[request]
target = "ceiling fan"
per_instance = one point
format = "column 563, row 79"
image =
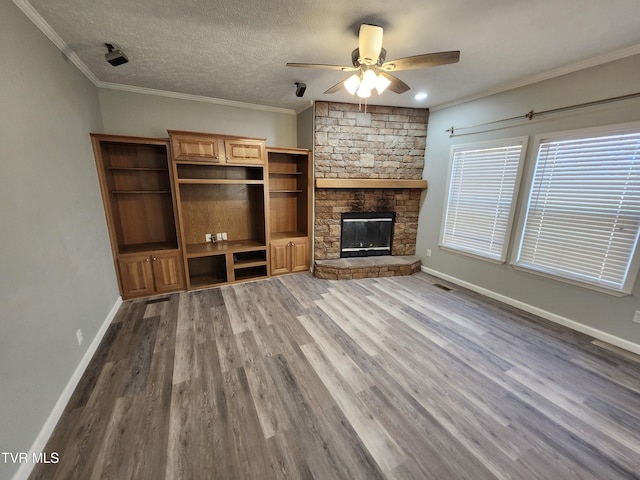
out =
column 372, row 69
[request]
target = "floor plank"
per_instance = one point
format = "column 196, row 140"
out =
column 294, row 377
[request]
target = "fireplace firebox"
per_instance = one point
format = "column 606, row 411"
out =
column 365, row 234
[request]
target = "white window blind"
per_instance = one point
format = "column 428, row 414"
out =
column 482, row 187
column 584, row 210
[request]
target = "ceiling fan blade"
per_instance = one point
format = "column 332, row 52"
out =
column 396, row 85
column 421, row 61
column 369, row 44
column 323, row 66
column 336, row 88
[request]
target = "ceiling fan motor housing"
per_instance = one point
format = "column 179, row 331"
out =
column 369, row 44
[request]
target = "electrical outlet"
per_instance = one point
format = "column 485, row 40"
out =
column 428, row 253
column 207, row 237
column 79, row 336
column 636, row 317
column 224, row 235
column 218, row 236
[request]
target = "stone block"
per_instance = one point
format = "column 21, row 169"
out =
column 321, row 109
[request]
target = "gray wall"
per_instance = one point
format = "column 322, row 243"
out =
column 600, row 311
column 56, row 270
column 127, row 113
column 305, row 129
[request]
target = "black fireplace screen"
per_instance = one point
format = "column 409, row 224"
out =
column 366, row 234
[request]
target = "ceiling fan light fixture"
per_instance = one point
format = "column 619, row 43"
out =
column 369, row 80
column 382, row 83
column 352, row 83
column 363, row 92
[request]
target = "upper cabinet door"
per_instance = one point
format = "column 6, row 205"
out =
column 245, row 151
column 196, row 148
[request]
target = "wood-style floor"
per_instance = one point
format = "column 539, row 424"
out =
column 295, row 377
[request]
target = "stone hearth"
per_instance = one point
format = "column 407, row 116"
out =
column 366, row 267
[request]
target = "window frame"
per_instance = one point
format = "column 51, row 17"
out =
column 521, row 141
column 576, row 134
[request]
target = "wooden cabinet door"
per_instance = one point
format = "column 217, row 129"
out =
column 136, row 275
column 299, row 254
column 245, row 151
column 205, row 149
column 280, row 258
column 290, row 256
column 167, row 272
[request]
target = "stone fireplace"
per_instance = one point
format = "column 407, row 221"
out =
column 368, row 162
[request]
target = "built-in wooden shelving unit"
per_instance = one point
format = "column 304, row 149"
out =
column 290, row 175
column 136, row 190
column 163, row 197
column 221, row 188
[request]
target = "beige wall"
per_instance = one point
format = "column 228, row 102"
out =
column 138, row 114
column 589, row 309
column 57, row 271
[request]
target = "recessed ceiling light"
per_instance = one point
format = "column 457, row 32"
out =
column 420, row 96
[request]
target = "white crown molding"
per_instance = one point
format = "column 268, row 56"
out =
column 194, row 98
column 574, row 67
column 45, row 28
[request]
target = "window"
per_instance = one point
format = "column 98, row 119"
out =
column 583, row 212
column 483, row 183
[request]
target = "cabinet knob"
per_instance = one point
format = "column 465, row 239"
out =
column 147, row 259
column 154, row 259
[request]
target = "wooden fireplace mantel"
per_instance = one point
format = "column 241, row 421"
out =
column 369, row 183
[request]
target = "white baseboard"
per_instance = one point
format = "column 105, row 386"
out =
column 567, row 322
column 47, row 429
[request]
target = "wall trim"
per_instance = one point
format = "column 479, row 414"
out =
column 49, row 425
column 57, row 40
column 522, row 82
column 194, row 98
column 567, row 322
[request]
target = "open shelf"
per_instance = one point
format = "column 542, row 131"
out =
column 237, row 209
column 287, row 234
column 250, row 258
column 203, row 281
column 250, row 273
column 207, row 271
column 138, row 192
column 219, row 181
column 189, row 172
column 148, row 247
column 205, row 249
column 138, row 169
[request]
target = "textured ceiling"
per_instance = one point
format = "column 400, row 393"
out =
column 237, row 50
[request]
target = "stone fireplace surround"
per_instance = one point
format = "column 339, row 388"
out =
column 352, row 146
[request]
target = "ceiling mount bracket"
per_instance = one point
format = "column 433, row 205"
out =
column 115, row 56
